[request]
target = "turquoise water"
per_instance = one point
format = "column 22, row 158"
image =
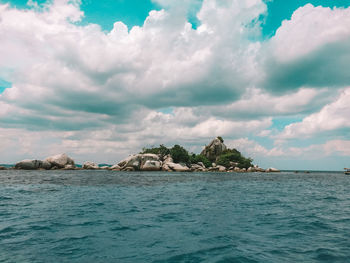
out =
column 101, row 216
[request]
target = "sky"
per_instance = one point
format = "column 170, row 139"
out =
column 100, row 80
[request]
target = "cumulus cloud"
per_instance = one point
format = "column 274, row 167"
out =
column 256, row 103
column 332, row 117
column 310, row 49
column 62, row 69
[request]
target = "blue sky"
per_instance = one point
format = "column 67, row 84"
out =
column 277, row 91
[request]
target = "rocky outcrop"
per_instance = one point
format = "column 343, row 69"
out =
column 3, row 168
column 29, row 164
column 60, row 160
column 90, row 165
column 214, row 149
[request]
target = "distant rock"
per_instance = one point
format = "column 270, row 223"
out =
column 251, row 170
column 272, row 170
column 29, row 164
column 60, row 160
column 3, row 168
column 90, row 165
column 214, row 149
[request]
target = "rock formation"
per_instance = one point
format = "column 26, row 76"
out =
column 214, row 149
column 29, row 164
column 60, row 160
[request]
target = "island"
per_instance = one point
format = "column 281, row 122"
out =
column 215, row 157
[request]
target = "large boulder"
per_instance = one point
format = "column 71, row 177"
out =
column 90, row 165
column 29, row 164
column 131, row 161
column 60, row 160
column 214, row 149
column 137, row 161
column 176, row 167
column 151, row 165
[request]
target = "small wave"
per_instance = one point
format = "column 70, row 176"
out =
column 7, row 230
column 198, row 255
column 121, row 228
column 4, row 198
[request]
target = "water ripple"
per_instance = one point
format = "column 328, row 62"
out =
column 102, row 216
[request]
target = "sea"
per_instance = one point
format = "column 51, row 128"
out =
column 110, row 216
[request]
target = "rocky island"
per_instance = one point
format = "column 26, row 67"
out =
column 215, row 157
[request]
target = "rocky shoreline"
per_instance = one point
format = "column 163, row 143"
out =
column 146, row 161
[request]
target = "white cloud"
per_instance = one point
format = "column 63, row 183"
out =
column 309, row 29
column 311, row 49
column 256, row 103
column 332, row 117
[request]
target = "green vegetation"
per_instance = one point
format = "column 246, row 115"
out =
column 221, row 139
column 232, row 155
column 161, row 150
column 196, row 158
column 181, row 155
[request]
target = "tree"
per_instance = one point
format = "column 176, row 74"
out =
column 161, row 150
column 179, row 154
column 232, row 155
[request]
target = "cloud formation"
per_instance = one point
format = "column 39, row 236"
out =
column 310, row 49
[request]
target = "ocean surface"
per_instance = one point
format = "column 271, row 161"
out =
column 106, row 216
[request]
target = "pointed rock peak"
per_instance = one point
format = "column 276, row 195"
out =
column 215, row 148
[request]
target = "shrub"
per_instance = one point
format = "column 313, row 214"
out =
column 200, row 158
column 179, row 154
column 232, row 155
column 161, row 150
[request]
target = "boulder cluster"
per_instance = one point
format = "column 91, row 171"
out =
column 149, row 162
column 60, row 161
